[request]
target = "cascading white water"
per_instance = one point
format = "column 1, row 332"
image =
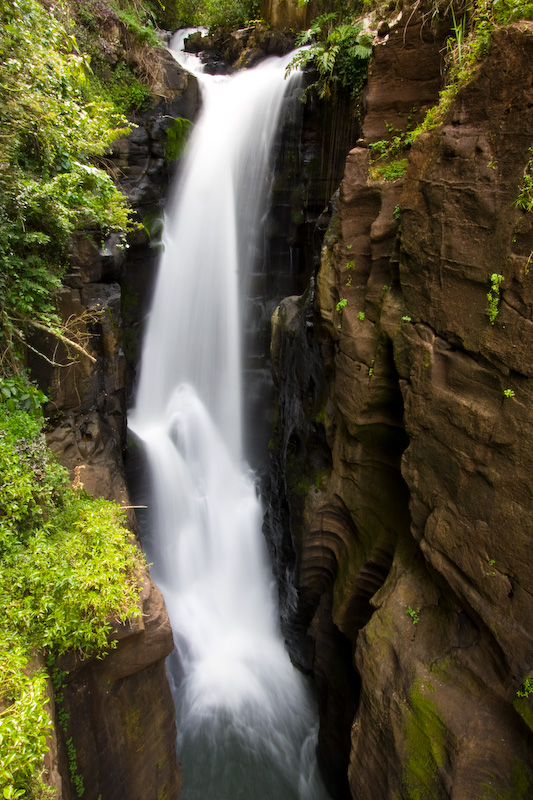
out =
column 246, row 721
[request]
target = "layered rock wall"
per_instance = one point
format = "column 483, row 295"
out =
column 407, row 461
column 114, row 717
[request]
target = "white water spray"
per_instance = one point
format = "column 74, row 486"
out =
column 246, row 723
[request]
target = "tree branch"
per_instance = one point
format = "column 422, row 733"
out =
column 66, row 341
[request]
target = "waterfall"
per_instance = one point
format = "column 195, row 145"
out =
column 247, row 724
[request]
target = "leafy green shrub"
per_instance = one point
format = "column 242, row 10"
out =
column 24, row 724
column 229, row 13
column 506, row 11
column 139, row 19
column 67, row 567
column 18, row 394
column 340, row 53
column 211, row 13
column 121, row 88
column 49, row 183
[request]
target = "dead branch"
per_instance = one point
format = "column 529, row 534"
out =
column 62, row 338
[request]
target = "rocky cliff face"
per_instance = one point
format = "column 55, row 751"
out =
column 404, row 436
column 114, row 725
column 114, row 717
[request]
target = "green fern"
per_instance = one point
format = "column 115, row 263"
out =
column 340, row 54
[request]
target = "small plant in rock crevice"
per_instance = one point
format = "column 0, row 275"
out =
column 388, row 159
column 493, row 297
column 524, row 201
column 414, row 614
column 527, row 688
column 341, row 305
column 492, row 572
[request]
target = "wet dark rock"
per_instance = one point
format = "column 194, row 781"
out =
column 223, row 51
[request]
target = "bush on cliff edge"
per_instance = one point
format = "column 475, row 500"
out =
column 67, row 567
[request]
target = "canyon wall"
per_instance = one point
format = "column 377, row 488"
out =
column 114, row 718
column 402, row 455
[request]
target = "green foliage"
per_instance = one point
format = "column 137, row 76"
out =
column 527, row 688
column 388, row 161
column 524, row 201
column 18, row 394
column 49, row 185
column 508, row 393
column 459, row 29
column 229, row 13
column 24, row 724
column 139, row 19
column 340, row 53
column 214, row 13
column 119, row 38
column 389, row 172
column 506, row 11
column 75, row 776
column 414, row 613
column 469, row 44
column 361, row 316
column 493, row 297
column 394, row 147
column 67, row 567
column 177, row 138
column 121, row 88
column 341, row 305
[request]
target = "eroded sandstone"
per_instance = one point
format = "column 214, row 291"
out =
column 412, row 559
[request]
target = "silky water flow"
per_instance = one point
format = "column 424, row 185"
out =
column 247, row 724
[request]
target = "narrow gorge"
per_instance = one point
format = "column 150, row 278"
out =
column 387, row 411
